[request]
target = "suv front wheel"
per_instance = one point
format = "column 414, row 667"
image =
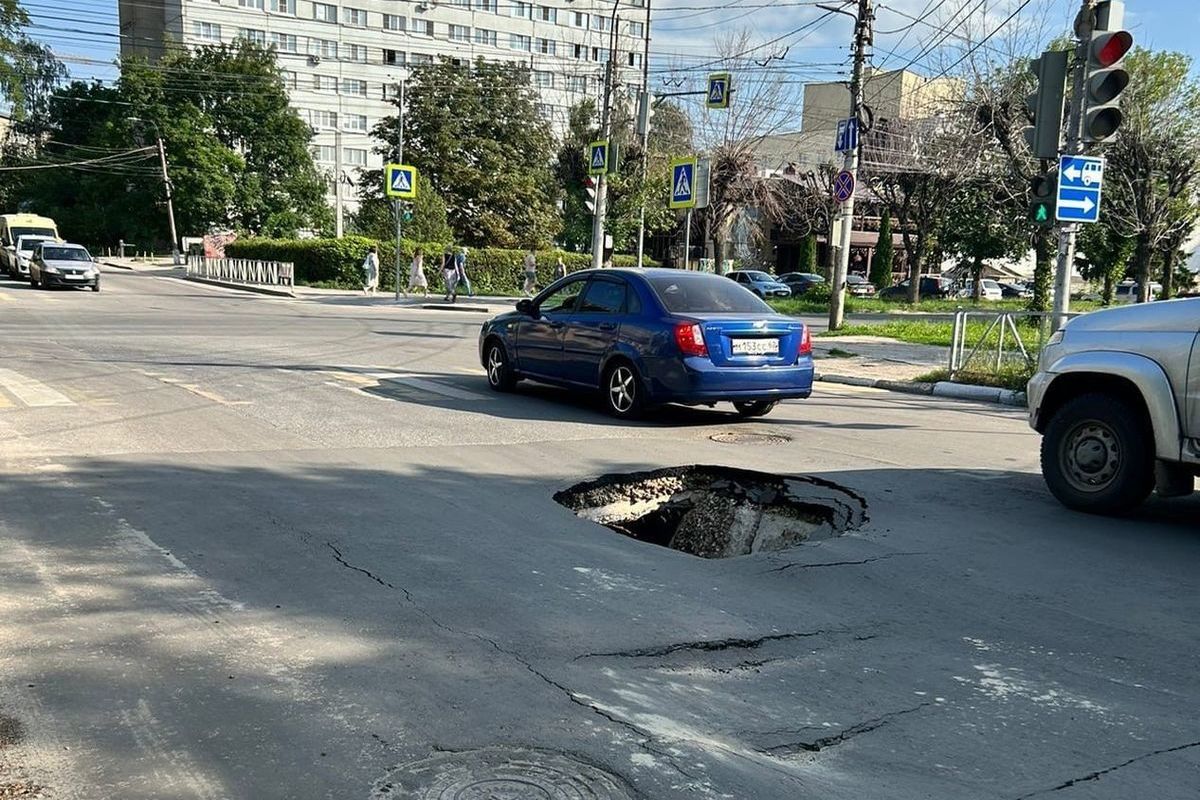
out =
column 1098, row 456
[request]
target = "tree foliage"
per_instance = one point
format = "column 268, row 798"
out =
column 881, row 264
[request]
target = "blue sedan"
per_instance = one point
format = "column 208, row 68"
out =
column 650, row 337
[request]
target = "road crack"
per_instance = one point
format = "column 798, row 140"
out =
column 1100, row 773
column 337, row 555
column 871, row 560
column 708, row 645
column 834, row 739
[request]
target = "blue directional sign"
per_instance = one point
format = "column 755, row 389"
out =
column 718, row 90
column 683, row 183
column 843, row 186
column 1080, row 179
column 400, row 181
column 847, row 135
column 598, row 158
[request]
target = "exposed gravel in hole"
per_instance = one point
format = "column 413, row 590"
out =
column 749, row 437
column 717, row 512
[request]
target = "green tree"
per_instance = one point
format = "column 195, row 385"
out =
column 1103, row 256
column 808, row 253
column 376, row 219
column 881, row 264
column 983, row 224
column 570, row 172
column 486, row 158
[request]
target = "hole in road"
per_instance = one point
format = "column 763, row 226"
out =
column 749, row 437
column 717, row 512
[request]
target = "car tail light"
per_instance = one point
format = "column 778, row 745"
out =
column 805, row 348
column 690, row 338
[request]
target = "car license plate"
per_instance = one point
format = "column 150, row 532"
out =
column 755, row 347
column 73, row 277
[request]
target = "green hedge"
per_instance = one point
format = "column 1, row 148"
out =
column 338, row 262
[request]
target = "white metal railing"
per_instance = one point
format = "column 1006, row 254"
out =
column 1007, row 336
column 243, row 270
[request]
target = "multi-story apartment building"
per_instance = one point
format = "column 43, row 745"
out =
column 343, row 60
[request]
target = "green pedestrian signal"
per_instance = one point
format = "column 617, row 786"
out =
column 1042, row 193
column 1041, row 213
column 407, row 215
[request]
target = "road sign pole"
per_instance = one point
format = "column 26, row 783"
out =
column 1067, row 231
column 605, row 133
column 399, row 160
column 641, row 244
column 837, row 301
column 687, row 239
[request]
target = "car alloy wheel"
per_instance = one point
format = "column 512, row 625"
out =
column 622, row 391
column 500, row 377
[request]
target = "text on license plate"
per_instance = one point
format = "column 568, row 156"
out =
column 73, row 277
column 755, row 347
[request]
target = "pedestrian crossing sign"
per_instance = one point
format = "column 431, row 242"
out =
column 683, row 183
column 598, row 157
column 401, row 181
column 718, row 90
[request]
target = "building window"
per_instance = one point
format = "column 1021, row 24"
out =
column 354, row 122
column 289, row 79
column 579, row 20
column 601, row 22
column 393, row 58
column 543, row 80
column 544, row 111
column 393, row 22
column 546, row 47
column 325, row 153
column 324, row 12
column 283, row 42
column 485, row 5
column 547, row 14
column 325, row 48
column 580, row 52
column 251, row 4
column 356, row 52
column 524, row 10
column 635, row 59
column 421, row 58
column 599, row 54
column 354, row 156
column 208, row 31
column 637, row 3
column 460, row 33
column 283, row 6
column 323, row 120
column 485, row 36
column 253, row 36
column 354, row 87
column 578, row 83
column 461, row 3
column 637, row 29
column 517, row 41
column 354, row 17
column 325, row 83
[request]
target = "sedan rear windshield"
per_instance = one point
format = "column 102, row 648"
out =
column 65, row 254
column 698, row 293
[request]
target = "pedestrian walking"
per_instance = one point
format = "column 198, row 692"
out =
column 449, row 274
column 460, row 266
column 560, row 268
column 530, row 273
column 370, row 268
column 416, row 273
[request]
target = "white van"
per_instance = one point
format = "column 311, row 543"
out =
column 12, row 228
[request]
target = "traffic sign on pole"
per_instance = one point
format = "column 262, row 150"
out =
column 847, row 135
column 598, row 157
column 843, row 186
column 718, row 90
column 1080, row 179
column 400, row 181
column 683, row 183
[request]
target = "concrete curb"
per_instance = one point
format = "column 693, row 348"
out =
column 270, row 290
column 955, row 391
column 455, row 307
column 116, row 266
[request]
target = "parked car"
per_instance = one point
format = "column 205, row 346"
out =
column 56, row 264
column 932, row 287
column 761, row 283
column 651, row 337
column 801, row 282
column 858, row 286
column 1127, row 291
column 24, row 252
column 1117, row 401
column 1016, row 291
column 990, row 290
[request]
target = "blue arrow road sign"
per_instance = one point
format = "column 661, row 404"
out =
column 683, row 183
column 1080, row 179
column 847, row 135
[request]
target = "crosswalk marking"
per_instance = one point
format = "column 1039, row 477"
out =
column 433, row 386
column 414, row 380
column 32, row 393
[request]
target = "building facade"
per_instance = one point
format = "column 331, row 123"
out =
column 342, row 61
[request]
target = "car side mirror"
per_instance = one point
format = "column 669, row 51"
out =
column 525, row 307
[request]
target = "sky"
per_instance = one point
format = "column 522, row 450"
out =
column 792, row 36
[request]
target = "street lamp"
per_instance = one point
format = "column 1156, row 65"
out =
column 162, row 158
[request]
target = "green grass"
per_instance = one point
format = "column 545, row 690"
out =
column 918, row 331
column 1011, row 375
column 858, row 305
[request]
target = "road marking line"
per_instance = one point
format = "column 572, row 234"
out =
column 434, row 387
column 32, row 393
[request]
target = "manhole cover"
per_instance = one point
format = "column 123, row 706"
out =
column 717, row 512
column 500, row 774
column 749, row 437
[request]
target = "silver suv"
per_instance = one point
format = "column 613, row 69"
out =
column 1117, row 400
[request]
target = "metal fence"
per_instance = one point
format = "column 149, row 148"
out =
column 1000, row 338
column 243, row 271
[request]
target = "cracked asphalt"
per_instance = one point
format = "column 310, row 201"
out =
column 269, row 548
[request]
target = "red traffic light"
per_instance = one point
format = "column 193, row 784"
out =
column 1109, row 48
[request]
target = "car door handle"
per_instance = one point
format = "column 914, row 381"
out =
column 555, row 324
column 608, row 326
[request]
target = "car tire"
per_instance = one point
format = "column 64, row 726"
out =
column 755, row 408
column 499, row 370
column 96, row 286
column 32, row 283
column 1097, row 455
column 622, row 389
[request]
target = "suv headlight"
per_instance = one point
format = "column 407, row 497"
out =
column 1056, row 337
column 49, row 269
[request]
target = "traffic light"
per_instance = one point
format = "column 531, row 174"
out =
column 1046, row 103
column 645, row 112
column 1043, row 190
column 1104, row 79
column 589, row 186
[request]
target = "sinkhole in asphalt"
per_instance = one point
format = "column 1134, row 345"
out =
column 715, row 511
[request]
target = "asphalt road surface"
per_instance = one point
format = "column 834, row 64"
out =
column 268, row 548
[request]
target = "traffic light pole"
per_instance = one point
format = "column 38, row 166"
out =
column 837, row 301
column 605, row 133
column 398, row 205
column 641, row 246
column 1074, row 144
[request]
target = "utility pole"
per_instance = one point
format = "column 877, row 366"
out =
column 397, row 204
column 862, row 37
column 649, row 101
column 338, row 222
column 1074, row 145
column 605, row 134
column 162, row 159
